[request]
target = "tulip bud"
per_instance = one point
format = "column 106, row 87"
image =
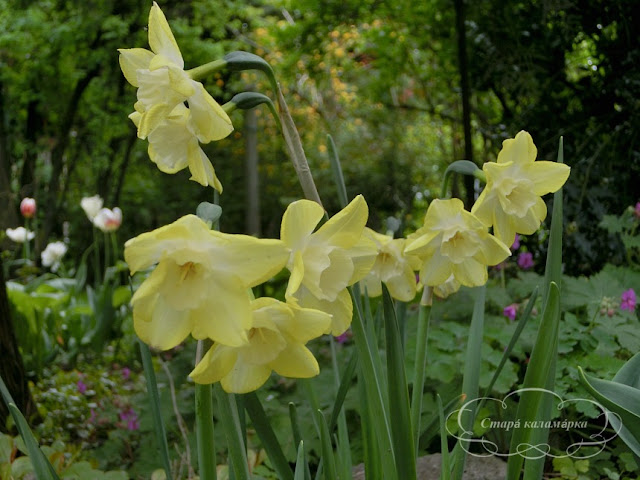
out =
column 28, row 207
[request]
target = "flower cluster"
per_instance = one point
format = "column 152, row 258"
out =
column 173, row 111
column 201, row 280
column 104, row 219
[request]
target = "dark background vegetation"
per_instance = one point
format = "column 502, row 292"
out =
column 404, row 88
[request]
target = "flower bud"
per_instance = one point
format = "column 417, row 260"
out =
column 28, row 207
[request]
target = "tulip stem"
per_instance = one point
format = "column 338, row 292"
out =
column 96, row 256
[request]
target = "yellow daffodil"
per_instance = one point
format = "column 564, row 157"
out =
column 173, row 146
column 392, row 267
column 511, row 199
column 163, row 84
column 323, row 264
column 277, row 341
column 454, row 242
column 200, row 284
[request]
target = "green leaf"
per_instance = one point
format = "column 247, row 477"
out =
column 300, row 463
column 398, row 391
column 328, row 458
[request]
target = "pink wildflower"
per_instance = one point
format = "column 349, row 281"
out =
column 636, row 210
column 82, row 387
column 131, row 418
column 628, row 300
column 516, row 243
column 344, row 338
column 525, row 260
column 126, row 373
column 510, row 311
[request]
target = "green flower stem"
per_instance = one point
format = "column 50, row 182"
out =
column 154, row 398
column 204, row 432
column 424, row 315
column 203, row 71
column 296, row 152
column 114, row 247
column 25, row 246
column 235, row 437
column 107, row 259
column 96, row 257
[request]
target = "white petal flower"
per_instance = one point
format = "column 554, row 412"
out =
column 20, row 234
column 52, row 255
column 91, row 206
column 108, row 220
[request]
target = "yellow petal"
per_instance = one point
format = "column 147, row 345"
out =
column 216, row 363
column 403, row 287
column 171, row 143
column 363, row 255
column 297, row 274
column 307, row 324
column 201, row 169
column 373, row 285
column 265, row 343
column 299, row 221
column 296, row 361
column 547, row 177
column 151, row 119
column 252, row 260
column 210, row 121
column 504, row 227
column 493, row 251
column 470, row 273
column 226, row 315
column 146, row 249
column 245, row 378
column 341, row 309
column 520, row 149
column 435, row 270
column 334, row 278
column 161, row 39
column 345, row 228
column 134, row 59
column 158, row 325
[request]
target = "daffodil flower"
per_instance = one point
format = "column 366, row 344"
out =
column 392, row 267
column 323, row 264
column 174, row 146
column 511, row 201
column 454, row 242
column 200, row 284
column 277, row 339
column 163, row 84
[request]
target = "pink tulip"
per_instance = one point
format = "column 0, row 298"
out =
column 28, row 207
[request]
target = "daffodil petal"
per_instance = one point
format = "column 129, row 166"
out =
column 210, row 121
column 215, row 364
column 436, row 270
column 245, row 378
column 340, row 309
column 226, row 316
column 547, row 177
column 296, row 361
column 345, row 228
column 520, row 149
column 470, row 273
column 161, row 39
column 403, row 287
column 307, row 324
column 297, row 274
column 363, row 255
column 493, row 251
column 133, row 59
column 158, row 325
column 201, row 169
column 252, row 260
column 503, row 227
column 298, row 223
column 373, row 285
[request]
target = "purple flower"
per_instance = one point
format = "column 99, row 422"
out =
column 628, row 300
column 131, row 418
column 636, row 210
column 82, row 387
column 510, row 311
column 525, row 260
column 516, row 243
column 126, row 373
column 344, row 338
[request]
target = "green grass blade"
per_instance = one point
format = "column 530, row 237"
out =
column 471, row 377
column 267, row 436
column 301, row 463
column 536, row 378
column 369, row 360
column 328, row 458
column 41, row 465
column 403, row 439
column 154, row 400
column 345, row 383
column 235, row 437
column 424, row 315
column 370, row 448
column 297, row 438
column 444, row 447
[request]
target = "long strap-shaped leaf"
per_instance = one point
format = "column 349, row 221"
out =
column 43, row 469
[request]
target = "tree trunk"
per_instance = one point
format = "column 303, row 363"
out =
column 466, row 95
column 8, row 217
column 11, row 366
